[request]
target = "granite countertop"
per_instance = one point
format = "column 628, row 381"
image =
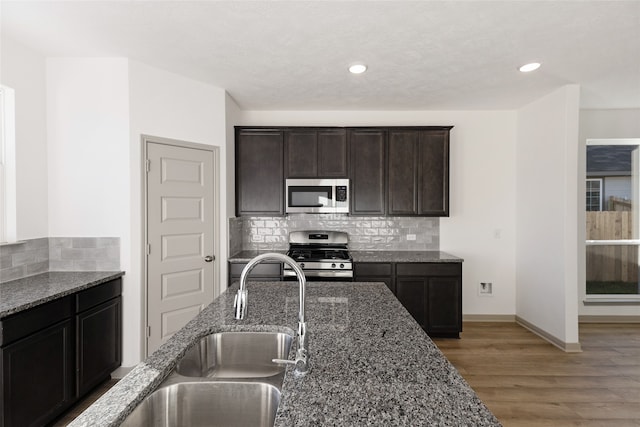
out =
column 22, row 294
column 403, row 256
column 370, row 256
column 367, row 367
column 246, row 256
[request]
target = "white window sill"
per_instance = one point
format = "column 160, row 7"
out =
column 612, row 299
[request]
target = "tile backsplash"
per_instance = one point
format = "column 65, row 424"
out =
column 36, row 256
column 23, row 259
column 365, row 233
column 84, row 253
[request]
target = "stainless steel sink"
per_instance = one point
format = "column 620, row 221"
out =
column 236, row 355
column 215, row 403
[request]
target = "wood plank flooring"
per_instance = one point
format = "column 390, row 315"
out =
column 80, row 407
column 526, row 381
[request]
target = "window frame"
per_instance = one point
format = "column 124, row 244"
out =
column 601, row 181
column 612, row 298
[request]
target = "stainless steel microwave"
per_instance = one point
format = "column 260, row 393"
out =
column 317, row 196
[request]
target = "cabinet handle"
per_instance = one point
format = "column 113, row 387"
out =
column 209, row 258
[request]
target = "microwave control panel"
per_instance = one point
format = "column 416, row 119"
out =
column 341, row 193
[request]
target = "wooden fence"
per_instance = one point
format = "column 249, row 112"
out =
column 611, row 263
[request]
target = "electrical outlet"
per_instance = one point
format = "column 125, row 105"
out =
column 411, row 237
column 485, row 289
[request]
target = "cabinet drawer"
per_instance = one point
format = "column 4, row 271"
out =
column 373, row 269
column 34, row 319
column 429, row 269
column 98, row 294
column 260, row 270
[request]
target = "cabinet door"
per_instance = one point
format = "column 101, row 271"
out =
column 38, row 376
column 444, row 306
column 410, row 291
column 367, row 170
column 433, row 182
column 301, row 153
column 259, row 172
column 332, row 154
column 99, row 349
column 403, row 172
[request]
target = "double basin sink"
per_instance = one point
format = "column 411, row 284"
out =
column 226, row 379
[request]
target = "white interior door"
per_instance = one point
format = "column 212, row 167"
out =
column 180, row 240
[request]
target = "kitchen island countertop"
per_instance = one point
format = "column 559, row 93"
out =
column 370, row 362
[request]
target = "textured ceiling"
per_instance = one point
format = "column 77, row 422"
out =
column 422, row 55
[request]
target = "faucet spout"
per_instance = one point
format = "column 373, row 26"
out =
column 240, row 304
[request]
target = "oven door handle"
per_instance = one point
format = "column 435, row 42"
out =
column 319, row 205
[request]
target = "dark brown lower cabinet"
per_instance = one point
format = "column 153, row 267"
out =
column 99, row 332
column 37, row 376
column 53, row 354
column 411, row 293
column 431, row 292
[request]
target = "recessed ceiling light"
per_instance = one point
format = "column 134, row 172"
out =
column 530, row 67
column 357, row 68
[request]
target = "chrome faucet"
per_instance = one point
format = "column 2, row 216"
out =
column 240, row 305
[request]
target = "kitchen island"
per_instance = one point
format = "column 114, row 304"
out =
column 370, row 362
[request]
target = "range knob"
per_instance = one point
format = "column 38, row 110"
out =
column 302, row 265
column 333, row 265
column 341, row 265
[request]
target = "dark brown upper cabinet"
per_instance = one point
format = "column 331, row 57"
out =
column 418, row 172
column 395, row 171
column 316, row 153
column 433, row 173
column 367, row 170
column 259, row 172
column 402, row 179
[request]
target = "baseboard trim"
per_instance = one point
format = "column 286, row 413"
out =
column 489, row 318
column 608, row 319
column 569, row 347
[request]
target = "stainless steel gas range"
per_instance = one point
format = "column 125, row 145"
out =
column 323, row 255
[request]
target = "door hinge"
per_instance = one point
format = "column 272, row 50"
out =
column 147, row 165
column 148, row 249
column 148, row 331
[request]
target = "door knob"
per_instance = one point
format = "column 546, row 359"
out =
column 209, row 258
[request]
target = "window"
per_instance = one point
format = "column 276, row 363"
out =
column 613, row 219
column 7, row 166
column 594, row 194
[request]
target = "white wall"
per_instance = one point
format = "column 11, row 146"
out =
column 23, row 70
column 481, row 226
column 88, row 117
column 597, row 124
column 547, row 213
column 171, row 106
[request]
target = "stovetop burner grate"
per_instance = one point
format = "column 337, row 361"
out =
column 301, row 254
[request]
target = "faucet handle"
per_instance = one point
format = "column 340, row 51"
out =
column 240, row 304
column 301, row 363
